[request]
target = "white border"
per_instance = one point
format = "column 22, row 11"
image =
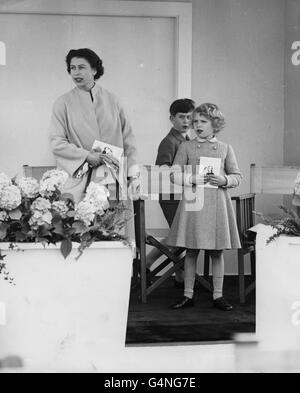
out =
column 182, row 12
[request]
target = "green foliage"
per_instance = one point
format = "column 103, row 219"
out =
column 40, row 213
column 287, row 224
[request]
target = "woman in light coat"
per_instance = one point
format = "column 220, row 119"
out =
column 86, row 114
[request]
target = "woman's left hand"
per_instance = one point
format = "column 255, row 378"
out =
column 218, row 181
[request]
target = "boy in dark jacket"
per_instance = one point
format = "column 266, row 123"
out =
column 180, row 116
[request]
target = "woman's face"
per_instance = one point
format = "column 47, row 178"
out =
column 203, row 126
column 82, row 73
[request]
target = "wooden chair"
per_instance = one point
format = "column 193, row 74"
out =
column 142, row 240
column 245, row 205
column 156, row 180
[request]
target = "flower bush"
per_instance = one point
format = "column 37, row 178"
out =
column 287, row 224
column 296, row 194
column 32, row 211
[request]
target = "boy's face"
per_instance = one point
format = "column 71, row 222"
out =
column 182, row 121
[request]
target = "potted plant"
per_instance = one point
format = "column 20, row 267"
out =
column 287, row 224
column 66, row 271
column 277, row 272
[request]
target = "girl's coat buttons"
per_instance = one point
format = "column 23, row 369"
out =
column 199, row 146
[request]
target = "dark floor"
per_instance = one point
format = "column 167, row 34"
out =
column 156, row 322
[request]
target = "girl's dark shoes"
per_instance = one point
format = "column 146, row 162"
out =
column 179, row 284
column 222, row 304
column 185, row 302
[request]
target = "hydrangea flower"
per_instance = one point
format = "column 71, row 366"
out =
column 41, row 204
column 52, row 181
column 40, row 218
column 3, row 216
column 29, row 187
column 4, row 181
column 61, row 208
column 61, row 175
column 96, row 190
column 41, row 214
column 10, row 198
column 26, row 206
column 85, row 212
column 97, row 195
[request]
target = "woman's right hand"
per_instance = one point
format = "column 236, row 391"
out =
column 109, row 159
column 94, row 159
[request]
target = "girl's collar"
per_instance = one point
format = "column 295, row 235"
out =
column 202, row 140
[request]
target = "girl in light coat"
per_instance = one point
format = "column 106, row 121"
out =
column 212, row 225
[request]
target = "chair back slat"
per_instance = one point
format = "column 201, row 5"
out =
column 248, row 214
column 36, row 171
column 273, row 180
column 245, row 206
column 139, row 222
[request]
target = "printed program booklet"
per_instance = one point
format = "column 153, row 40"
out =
column 209, row 166
column 114, row 155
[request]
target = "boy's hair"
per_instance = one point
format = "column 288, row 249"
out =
column 90, row 56
column 213, row 113
column 184, row 105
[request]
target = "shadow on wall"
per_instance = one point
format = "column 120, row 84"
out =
column 2, row 54
column 11, row 362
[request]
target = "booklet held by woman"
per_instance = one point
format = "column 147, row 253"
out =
column 112, row 156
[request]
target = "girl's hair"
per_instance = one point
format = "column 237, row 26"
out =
column 90, row 56
column 213, row 113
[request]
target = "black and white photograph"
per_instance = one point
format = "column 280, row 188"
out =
column 149, row 189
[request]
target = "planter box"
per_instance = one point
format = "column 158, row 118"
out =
column 64, row 313
column 278, row 291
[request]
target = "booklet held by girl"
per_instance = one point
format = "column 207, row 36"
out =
column 209, row 166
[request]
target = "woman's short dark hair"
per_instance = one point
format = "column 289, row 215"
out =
column 184, row 105
column 90, row 56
